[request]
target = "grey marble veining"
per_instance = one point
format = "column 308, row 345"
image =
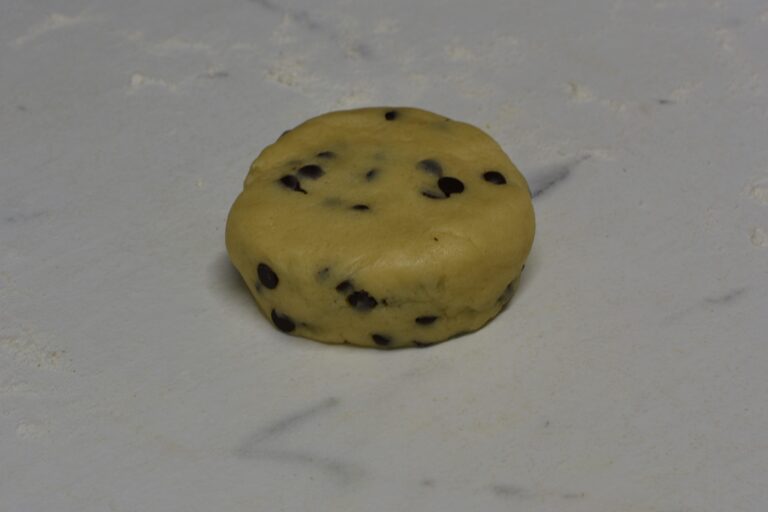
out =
column 302, row 18
column 545, row 178
column 250, row 446
column 727, row 297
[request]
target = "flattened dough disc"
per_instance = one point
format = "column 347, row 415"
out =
column 382, row 227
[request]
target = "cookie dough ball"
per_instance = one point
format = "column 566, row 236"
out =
column 381, row 227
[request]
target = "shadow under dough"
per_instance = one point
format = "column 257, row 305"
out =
column 225, row 280
column 531, row 268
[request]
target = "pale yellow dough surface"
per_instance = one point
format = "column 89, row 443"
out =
column 322, row 266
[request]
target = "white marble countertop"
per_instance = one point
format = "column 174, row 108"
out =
column 629, row 373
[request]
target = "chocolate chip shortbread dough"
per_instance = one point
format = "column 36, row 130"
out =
column 381, row 227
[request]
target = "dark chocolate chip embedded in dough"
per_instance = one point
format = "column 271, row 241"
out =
column 391, row 115
column 426, row 319
column 361, row 300
column 494, row 177
column 311, row 171
column 326, row 154
column 344, row 286
column 381, row 340
column 267, row 276
column 282, row 322
column 292, row 182
column 450, row 186
column 431, row 166
column 361, row 207
column 370, row 175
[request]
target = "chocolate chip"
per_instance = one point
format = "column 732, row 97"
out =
column 431, row 166
column 381, row 340
column 267, row 276
column 282, row 322
column 311, row 171
column 343, row 286
column 426, row 320
column 450, row 186
column 326, row 154
column 391, row 115
column 292, row 182
column 371, row 174
column 361, row 207
column 494, row 177
column 361, row 301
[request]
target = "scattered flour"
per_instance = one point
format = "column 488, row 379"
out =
column 759, row 191
column 290, row 71
column 759, row 237
column 356, row 96
column 176, row 44
column 28, row 352
column 33, row 430
column 139, row 81
column 386, row 26
column 54, row 21
column 579, row 93
column 459, row 53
